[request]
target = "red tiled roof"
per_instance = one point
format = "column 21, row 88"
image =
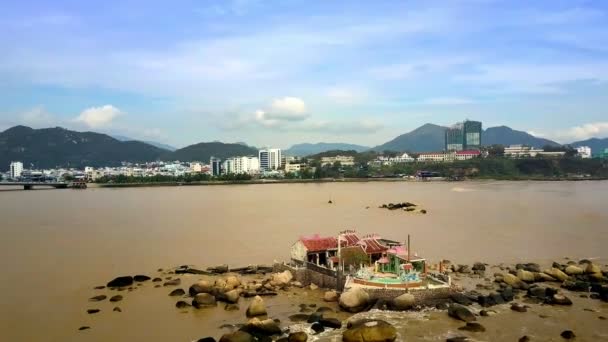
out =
column 468, row 152
column 372, row 246
column 349, row 240
column 317, row 243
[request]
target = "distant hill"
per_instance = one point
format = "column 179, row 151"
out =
column 306, row 149
column 430, row 137
column 153, row 143
column 426, row 138
column 52, row 147
column 204, row 151
column 597, row 145
column 504, row 135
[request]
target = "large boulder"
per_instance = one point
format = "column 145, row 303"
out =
column 354, row 300
column 461, row 312
column 460, row 298
column 237, row 336
column 231, row 296
column 202, row 300
column 232, row 282
column 526, row 276
column 593, row 269
column 257, row 307
column 573, row 270
column 266, row 327
column 202, row 286
column 370, row 331
column 299, row 336
column 541, row 276
column 282, row 278
column 330, row 296
column 557, row 274
column 121, row 282
column 512, row 280
column 404, row 302
column 558, row 299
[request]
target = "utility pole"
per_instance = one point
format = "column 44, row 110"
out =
column 339, row 278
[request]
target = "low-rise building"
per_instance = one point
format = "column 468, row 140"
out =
column 467, row 154
column 583, row 152
column 343, row 160
column 293, row 168
column 521, row 151
column 16, row 169
column 431, row 157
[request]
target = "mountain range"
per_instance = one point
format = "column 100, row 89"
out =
column 53, row 147
column 149, row 142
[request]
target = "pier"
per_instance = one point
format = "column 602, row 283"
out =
column 57, row 185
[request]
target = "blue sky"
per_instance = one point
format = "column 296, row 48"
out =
column 283, row 72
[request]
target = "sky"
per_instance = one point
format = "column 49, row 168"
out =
column 276, row 73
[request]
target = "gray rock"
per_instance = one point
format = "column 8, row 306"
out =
column 177, row 292
column 202, row 300
column 370, row 331
column 473, row 327
column 461, row 312
column 121, row 282
column 116, row 298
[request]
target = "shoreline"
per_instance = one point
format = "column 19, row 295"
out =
column 330, row 180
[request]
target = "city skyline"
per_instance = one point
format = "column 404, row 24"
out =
column 280, row 74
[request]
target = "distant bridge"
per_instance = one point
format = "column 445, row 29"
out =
column 30, row 185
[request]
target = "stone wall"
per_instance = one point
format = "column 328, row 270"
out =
column 423, row 296
column 307, row 276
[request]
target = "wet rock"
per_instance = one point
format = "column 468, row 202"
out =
column 84, row 327
column 220, row 269
column 117, row 309
column 463, row 269
column 141, row 278
column 370, row 331
column 237, row 336
column 354, row 300
column 317, row 328
column 100, row 287
column 267, row 327
column 92, row 311
column 173, row 282
column 314, row 317
column 257, row 307
column 299, row 336
column 567, row 334
column 458, row 339
column 299, row 318
column 577, row 285
column 156, row 280
column 330, row 296
column 182, row 305
column 518, row 307
column 557, row 274
column 478, row 266
column 405, row 301
column 537, row 292
column 573, row 270
column 473, row 327
column 206, row 339
column 97, row 298
column 231, row 296
column 202, row 300
column 560, row 300
column 507, row 294
column 487, row 313
column 202, row 286
column 461, row 312
column 157, row 286
column 331, row 323
column 541, row 276
column 460, row 298
column 526, row 276
column 121, row 282
column 441, row 306
column 593, row 269
column 602, row 318
column 313, row 287
column 524, row 338
column 512, row 280
column 116, row 298
column 177, row 292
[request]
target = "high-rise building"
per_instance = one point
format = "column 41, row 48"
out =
column 242, row 165
column 270, row 159
column 463, row 136
column 16, row 169
column 216, row 166
column 583, row 151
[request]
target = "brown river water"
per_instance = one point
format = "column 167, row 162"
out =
column 56, row 245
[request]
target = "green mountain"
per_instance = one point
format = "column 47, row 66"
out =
column 430, row 137
column 149, row 142
column 52, row 147
column 204, row 151
column 503, row 135
column 426, row 138
column 597, row 145
column 306, row 149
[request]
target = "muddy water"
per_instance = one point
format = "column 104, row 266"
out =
column 56, row 245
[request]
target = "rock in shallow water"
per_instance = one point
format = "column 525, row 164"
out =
column 237, row 336
column 177, row 292
column 518, row 307
column 121, row 282
column 370, row 331
column 299, row 336
column 181, row 305
column 568, row 334
column 202, row 300
column 354, row 300
column 141, row 278
column 85, row 327
column 461, row 312
column 97, row 298
column 116, row 298
column 173, row 282
column 473, row 327
column 92, row 311
column 257, row 307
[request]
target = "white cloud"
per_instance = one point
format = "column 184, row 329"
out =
column 95, row 117
column 586, row 131
column 281, row 111
column 37, row 117
column 444, row 101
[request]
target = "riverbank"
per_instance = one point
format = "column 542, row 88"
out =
column 337, row 180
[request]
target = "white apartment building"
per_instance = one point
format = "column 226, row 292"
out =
column 16, row 169
column 431, row 157
column 293, row 168
column 343, row 160
column 520, row 151
column 242, row 165
column 583, row 151
column 270, row 159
